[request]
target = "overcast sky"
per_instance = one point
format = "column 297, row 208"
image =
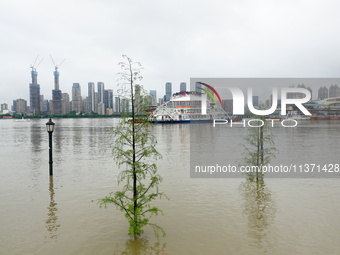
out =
column 174, row 40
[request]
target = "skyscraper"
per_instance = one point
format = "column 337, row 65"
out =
column 334, row 91
column 4, row 107
column 117, row 105
column 198, row 87
column 34, row 93
column 138, row 100
column 182, row 86
column 323, row 92
column 124, row 106
column 66, row 105
column 106, row 99
column 255, row 101
column 311, row 92
column 84, row 105
column 21, row 106
column 168, row 91
column 45, row 109
column 56, row 94
column 153, row 94
column 76, row 98
column 14, row 106
column 298, row 94
column 100, row 86
column 110, row 99
column 96, row 102
column 227, row 105
column 101, row 108
column 91, row 100
column 45, row 106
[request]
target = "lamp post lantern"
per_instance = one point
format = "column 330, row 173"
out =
column 50, row 129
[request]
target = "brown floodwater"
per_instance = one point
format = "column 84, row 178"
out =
column 43, row 215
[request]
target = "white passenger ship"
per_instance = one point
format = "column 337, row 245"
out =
column 187, row 107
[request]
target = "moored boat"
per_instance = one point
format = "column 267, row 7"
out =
column 22, row 119
column 188, row 107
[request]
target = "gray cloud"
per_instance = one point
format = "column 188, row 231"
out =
column 174, row 40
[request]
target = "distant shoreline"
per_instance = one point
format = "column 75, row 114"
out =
column 67, row 116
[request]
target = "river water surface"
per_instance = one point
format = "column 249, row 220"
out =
column 43, row 215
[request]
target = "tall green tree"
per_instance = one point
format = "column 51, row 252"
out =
column 135, row 149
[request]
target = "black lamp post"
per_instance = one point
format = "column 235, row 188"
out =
column 50, row 128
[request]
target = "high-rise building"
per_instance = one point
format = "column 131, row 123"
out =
column 255, row 101
column 106, row 99
column 198, row 87
column 50, row 105
column 76, row 98
column 101, row 108
column 41, row 103
column 56, row 94
column 153, row 94
column 96, row 102
column 227, row 105
column 110, row 99
column 298, row 94
column 138, row 103
column 90, row 96
column 34, row 93
column 182, row 86
column 57, row 97
column 100, row 86
column 334, row 91
column 4, row 107
column 21, row 106
column 124, row 106
column 117, row 105
column 45, row 106
column 14, row 106
column 168, row 91
column 84, row 105
column 65, row 103
column 311, row 92
column 323, row 92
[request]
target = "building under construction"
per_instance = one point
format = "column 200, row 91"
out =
column 34, row 93
column 56, row 92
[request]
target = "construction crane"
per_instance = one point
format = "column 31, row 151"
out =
column 56, row 66
column 56, row 73
column 33, row 67
column 34, row 73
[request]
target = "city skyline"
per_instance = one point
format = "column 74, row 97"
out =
column 56, row 92
column 105, row 98
column 60, row 103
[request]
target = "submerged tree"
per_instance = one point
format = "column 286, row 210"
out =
column 142, row 246
column 134, row 148
column 258, row 203
column 259, row 147
column 260, row 209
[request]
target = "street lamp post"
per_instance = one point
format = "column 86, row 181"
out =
column 50, row 128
